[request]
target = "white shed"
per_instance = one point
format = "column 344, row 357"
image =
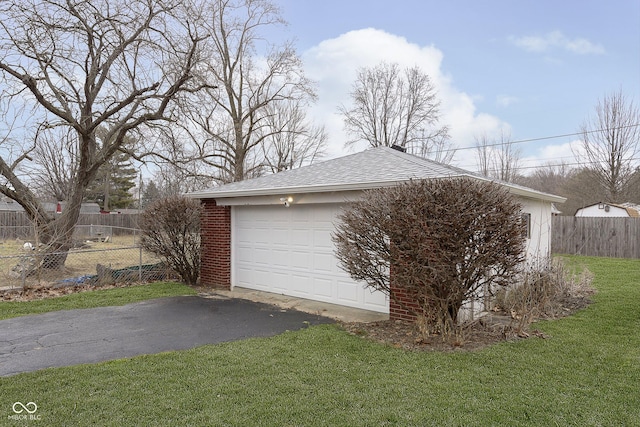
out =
column 609, row 210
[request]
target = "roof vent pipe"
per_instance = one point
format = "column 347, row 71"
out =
column 399, row 148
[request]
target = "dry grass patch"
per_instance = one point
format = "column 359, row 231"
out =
column 119, row 252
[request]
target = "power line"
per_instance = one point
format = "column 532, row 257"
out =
column 521, row 141
column 517, row 168
column 542, row 138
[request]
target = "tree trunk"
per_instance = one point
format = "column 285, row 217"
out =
column 56, row 236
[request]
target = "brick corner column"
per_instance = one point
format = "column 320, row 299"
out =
column 215, row 255
column 402, row 305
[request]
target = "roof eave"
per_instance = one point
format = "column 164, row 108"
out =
column 321, row 188
column 536, row 195
column 523, row 191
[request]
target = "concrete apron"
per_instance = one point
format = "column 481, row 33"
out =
column 333, row 311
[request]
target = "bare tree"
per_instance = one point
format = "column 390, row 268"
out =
column 582, row 188
column 54, row 163
column 484, row 156
column 633, row 189
column 293, row 141
column 173, row 180
column 391, row 106
column 610, row 144
column 84, row 65
column 249, row 76
column 549, row 178
column 497, row 158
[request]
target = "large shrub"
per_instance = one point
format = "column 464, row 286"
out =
column 545, row 288
column 444, row 241
column 171, row 230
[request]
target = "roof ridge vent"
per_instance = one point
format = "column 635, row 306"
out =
column 399, row 148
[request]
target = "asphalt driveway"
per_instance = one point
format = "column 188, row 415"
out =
column 72, row 337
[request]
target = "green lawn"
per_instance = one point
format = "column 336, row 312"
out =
column 586, row 373
column 100, row 298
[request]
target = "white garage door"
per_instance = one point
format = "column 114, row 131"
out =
column 289, row 251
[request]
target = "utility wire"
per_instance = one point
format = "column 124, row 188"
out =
column 517, row 168
column 542, row 138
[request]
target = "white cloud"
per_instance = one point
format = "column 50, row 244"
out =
column 506, row 100
column 334, row 63
column 557, row 40
column 561, row 152
column 552, row 154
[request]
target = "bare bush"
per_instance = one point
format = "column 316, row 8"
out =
column 544, row 289
column 441, row 241
column 171, row 230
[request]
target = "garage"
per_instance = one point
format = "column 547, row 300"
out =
column 273, row 233
column 289, row 251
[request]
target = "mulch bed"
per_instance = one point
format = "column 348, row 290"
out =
column 47, row 291
column 485, row 331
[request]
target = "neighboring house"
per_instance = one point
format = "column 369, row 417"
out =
column 85, row 208
column 610, row 210
column 273, row 233
column 124, row 211
column 9, row 205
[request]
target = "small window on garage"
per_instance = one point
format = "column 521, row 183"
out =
column 526, row 225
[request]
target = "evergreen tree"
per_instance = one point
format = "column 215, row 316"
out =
column 110, row 188
column 150, row 193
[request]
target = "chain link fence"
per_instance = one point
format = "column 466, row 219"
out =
column 101, row 255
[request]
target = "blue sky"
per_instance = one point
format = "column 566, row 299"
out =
column 533, row 68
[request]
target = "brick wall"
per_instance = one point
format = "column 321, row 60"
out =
column 402, row 306
column 215, row 268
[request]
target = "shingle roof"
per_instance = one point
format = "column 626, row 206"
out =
column 632, row 209
column 375, row 167
column 8, row 205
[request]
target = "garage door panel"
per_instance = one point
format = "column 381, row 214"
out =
column 245, row 276
column 301, row 286
column 300, row 215
column 348, row 291
column 323, row 287
column 244, row 252
column 374, row 299
column 300, row 259
column 290, row 251
column 300, row 237
column 262, row 236
column 279, row 258
column 280, row 236
column 322, row 240
column 279, row 282
column 243, row 235
column 256, row 279
column 261, row 256
column 264, row 278
column 323, row 263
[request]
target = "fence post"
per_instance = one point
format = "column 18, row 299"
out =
column 23, row 271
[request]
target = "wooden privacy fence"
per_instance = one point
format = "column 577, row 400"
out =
column 16, row 225
column 593, row 236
